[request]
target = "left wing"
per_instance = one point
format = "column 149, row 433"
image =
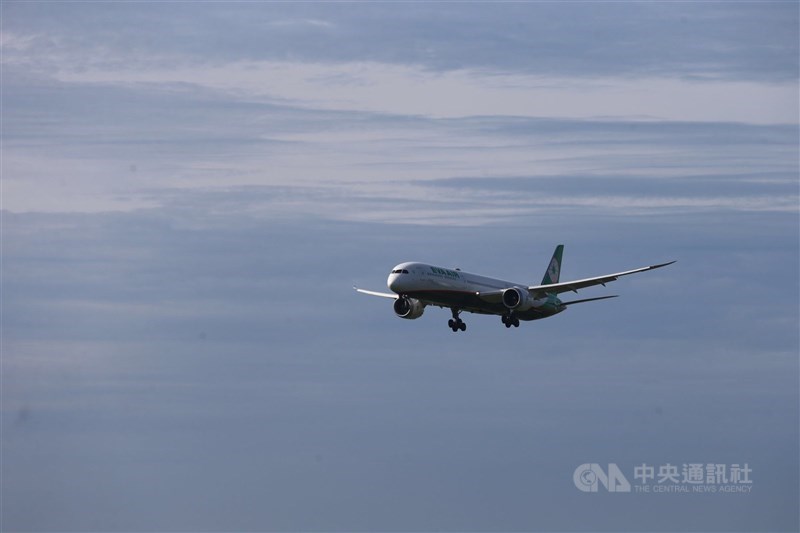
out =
column 374, row 293
column 557, row 288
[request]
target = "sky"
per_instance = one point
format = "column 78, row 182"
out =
column 191, row 189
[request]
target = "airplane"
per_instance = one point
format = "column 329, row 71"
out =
column 417, row 285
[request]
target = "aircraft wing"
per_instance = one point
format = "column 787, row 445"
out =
column 392, row 295
column 566, row 286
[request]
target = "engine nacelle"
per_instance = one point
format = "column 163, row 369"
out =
column 408, row 308
column 517, row 299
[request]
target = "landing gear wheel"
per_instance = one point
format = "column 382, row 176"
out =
column 456, row 323
column 510, row 320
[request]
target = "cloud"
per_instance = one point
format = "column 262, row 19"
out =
column 408, row 90
column 95, row 147
column 657, row 61
column 742, row 41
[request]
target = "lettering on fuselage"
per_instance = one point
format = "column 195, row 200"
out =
column 444, row 272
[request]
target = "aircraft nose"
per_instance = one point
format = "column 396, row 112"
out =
column 393, row 283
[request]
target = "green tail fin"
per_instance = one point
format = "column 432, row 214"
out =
column 554, row 268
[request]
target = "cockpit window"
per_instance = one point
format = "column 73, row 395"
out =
column 399, row 271
column 405, row 271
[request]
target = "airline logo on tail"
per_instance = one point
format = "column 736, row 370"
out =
column 554, row 269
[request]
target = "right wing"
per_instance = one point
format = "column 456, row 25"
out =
column 374, row 293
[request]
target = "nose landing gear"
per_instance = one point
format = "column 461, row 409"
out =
column 456, row 323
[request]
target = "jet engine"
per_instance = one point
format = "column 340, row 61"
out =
column 409, row 308
column 517, row 299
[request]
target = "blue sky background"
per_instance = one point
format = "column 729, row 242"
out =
column 190, row 190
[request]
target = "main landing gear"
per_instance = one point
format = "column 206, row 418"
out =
column 510, row 320
column 456, row 323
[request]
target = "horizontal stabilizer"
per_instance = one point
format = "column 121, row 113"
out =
column 590, row 299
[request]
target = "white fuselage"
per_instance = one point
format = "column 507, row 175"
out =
column 412, row 277
column 448, row 287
